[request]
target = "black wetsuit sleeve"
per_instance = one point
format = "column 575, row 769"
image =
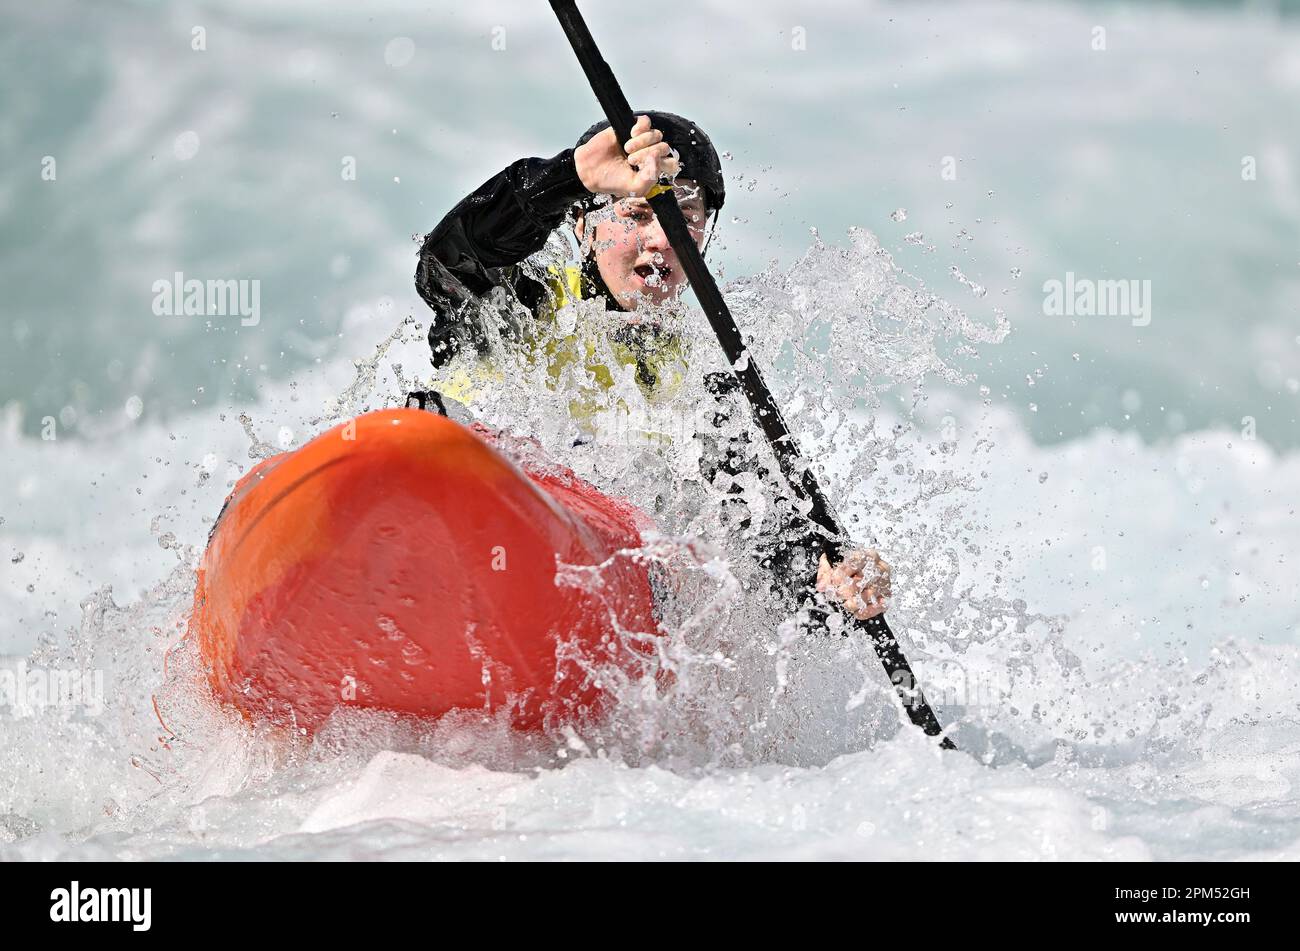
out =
column 477, row 246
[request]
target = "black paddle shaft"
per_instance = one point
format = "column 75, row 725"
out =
column 766, row 412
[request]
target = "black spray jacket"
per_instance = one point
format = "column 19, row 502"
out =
column 469, row 274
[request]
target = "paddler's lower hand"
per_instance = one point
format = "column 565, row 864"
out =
column 859, row 582
column 604, row 170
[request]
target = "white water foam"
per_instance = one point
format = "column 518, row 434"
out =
column 1136, row 702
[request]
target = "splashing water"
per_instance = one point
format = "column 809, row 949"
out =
column 740, row 731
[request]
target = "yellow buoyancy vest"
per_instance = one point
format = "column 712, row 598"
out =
column 560, row 341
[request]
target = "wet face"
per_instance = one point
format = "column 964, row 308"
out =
column 632, row 252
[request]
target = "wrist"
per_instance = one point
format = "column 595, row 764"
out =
column 547, row 188
column 584, row 167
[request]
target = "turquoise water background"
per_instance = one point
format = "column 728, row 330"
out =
column 226, row 163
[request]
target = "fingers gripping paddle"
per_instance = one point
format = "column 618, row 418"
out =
column 766, row 412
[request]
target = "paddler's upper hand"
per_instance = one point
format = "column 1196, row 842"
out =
column 604, row 170
column 859, row 582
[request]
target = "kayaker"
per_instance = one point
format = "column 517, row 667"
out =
column 472, row 275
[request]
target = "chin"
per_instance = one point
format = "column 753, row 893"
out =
column 635, row 295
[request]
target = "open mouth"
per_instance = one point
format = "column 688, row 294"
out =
column 653, row 273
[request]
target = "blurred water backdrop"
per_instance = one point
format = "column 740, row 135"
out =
column 227, row 162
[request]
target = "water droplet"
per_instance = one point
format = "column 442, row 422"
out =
column 399, row 51
column 186, row 146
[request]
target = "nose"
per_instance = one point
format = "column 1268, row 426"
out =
column 654, row 237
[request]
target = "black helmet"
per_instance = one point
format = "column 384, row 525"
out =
column 699, row 159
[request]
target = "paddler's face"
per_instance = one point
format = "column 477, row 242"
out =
column 635, row 259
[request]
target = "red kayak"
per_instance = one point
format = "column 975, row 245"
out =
column 400, row 562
